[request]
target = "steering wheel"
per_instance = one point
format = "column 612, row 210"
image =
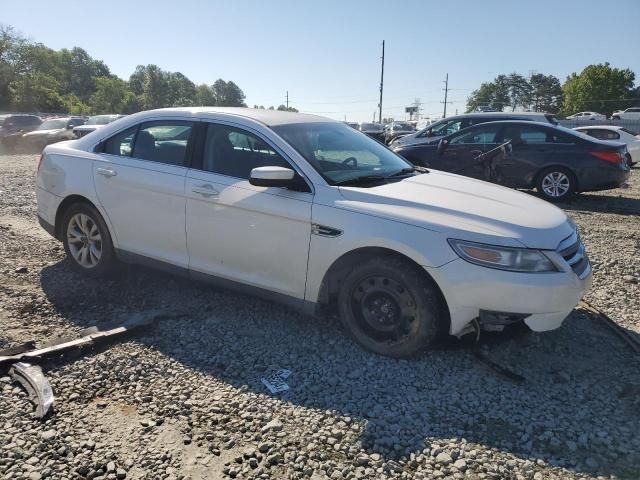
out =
column 351, row 160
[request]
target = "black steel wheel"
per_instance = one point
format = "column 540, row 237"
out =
column 390, row 307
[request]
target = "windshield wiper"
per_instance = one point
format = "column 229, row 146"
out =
column 362, row 179
column 382, row 178
column 407, row 171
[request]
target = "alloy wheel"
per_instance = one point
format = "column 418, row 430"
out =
column 556, row 184
column 84, row 240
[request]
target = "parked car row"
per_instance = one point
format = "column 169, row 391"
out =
column 632, row 113
column 23, row 132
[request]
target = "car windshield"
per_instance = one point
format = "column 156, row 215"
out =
column 340, row 153
column 622, row 129
column 370, row 126
column 56, row 124
column 100, row 120
column 402, row 126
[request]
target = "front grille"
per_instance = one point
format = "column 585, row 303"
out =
column 573, row 252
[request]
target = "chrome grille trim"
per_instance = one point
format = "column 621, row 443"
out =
column 573, row 252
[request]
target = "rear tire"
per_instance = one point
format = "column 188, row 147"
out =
column 390, row 307
column 556, row 184
column 87, row 241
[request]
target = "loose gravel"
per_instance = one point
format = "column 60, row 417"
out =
column 184, row 399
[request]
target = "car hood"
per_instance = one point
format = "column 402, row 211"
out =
column 464, row 208
column 37, row 133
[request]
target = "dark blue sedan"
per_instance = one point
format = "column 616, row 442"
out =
column 556, row 161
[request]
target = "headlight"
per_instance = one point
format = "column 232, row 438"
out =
column 503, row 258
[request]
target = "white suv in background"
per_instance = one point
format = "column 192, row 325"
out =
column 311, row 212
column 632, row 113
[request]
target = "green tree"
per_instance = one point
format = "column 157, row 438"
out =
column 36, row 92
column 546, row 93
column 182, row 91
column 204, row 96
column 112, row 95
column 228, row 94
column 600, row 88
column 285, row 109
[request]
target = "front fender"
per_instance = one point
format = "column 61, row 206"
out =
column 358, row 230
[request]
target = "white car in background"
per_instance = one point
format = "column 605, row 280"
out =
column 93, row 123
column 618, row 134
column 632, row 113
column 311, row 212
column 587, row 116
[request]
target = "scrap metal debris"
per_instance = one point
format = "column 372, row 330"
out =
column 88, row 337
column 31, row 376
column 36, row 384
column 276, row 382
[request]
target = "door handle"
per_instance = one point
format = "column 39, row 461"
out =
column 205, row 190
column 475, row 153
column 107, row 172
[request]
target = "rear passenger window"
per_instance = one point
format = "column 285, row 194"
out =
column 121, row 143
column 234, row 152
column 163, row 142
column 526, row 135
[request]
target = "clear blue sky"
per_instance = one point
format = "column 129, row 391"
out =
column 326, row 53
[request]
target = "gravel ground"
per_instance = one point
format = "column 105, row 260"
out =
column 184, row 399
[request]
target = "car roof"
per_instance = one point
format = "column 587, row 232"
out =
column 268, row 117
column 603, row 127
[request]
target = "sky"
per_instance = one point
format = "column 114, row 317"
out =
column 326, row 53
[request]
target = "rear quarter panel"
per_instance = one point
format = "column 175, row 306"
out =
column 64, row 172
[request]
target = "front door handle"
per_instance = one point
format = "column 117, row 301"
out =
column 107, row 172
column 476, row 153
column 205, row 190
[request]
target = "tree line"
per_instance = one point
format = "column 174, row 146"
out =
column 600, row 88
column 35, row 78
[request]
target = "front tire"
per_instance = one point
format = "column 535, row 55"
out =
column 87, row 241
column 390, row 307
column 556, row 184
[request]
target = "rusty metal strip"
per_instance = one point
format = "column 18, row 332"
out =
column 615, row 328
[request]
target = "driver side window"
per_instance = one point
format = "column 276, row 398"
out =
column 479, row 136
column 235, row 152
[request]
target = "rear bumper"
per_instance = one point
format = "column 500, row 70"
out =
column 544, row 300
column 592, row 180
column 48, row 204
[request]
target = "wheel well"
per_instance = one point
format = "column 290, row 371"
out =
column 561, row 167
column 66, row 203
column 331, row 282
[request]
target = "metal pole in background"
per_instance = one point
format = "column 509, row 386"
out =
column 381, row 85
column 287, row 99
column 446, row 91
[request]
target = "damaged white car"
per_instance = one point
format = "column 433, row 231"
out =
column 309, row 211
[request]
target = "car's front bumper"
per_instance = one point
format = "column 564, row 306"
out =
column 543, row 300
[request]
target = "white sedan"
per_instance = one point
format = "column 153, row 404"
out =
column 618, row 134
column 311, row 212
column 587, row 116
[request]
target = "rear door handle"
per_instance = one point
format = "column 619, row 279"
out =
column 205, row 190
column 107, row 172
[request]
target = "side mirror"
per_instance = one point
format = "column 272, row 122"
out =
column 442, row 145
column 272, row 177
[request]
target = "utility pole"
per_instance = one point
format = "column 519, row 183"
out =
column 446, row 91
column 381, row 85
column 287, row 99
